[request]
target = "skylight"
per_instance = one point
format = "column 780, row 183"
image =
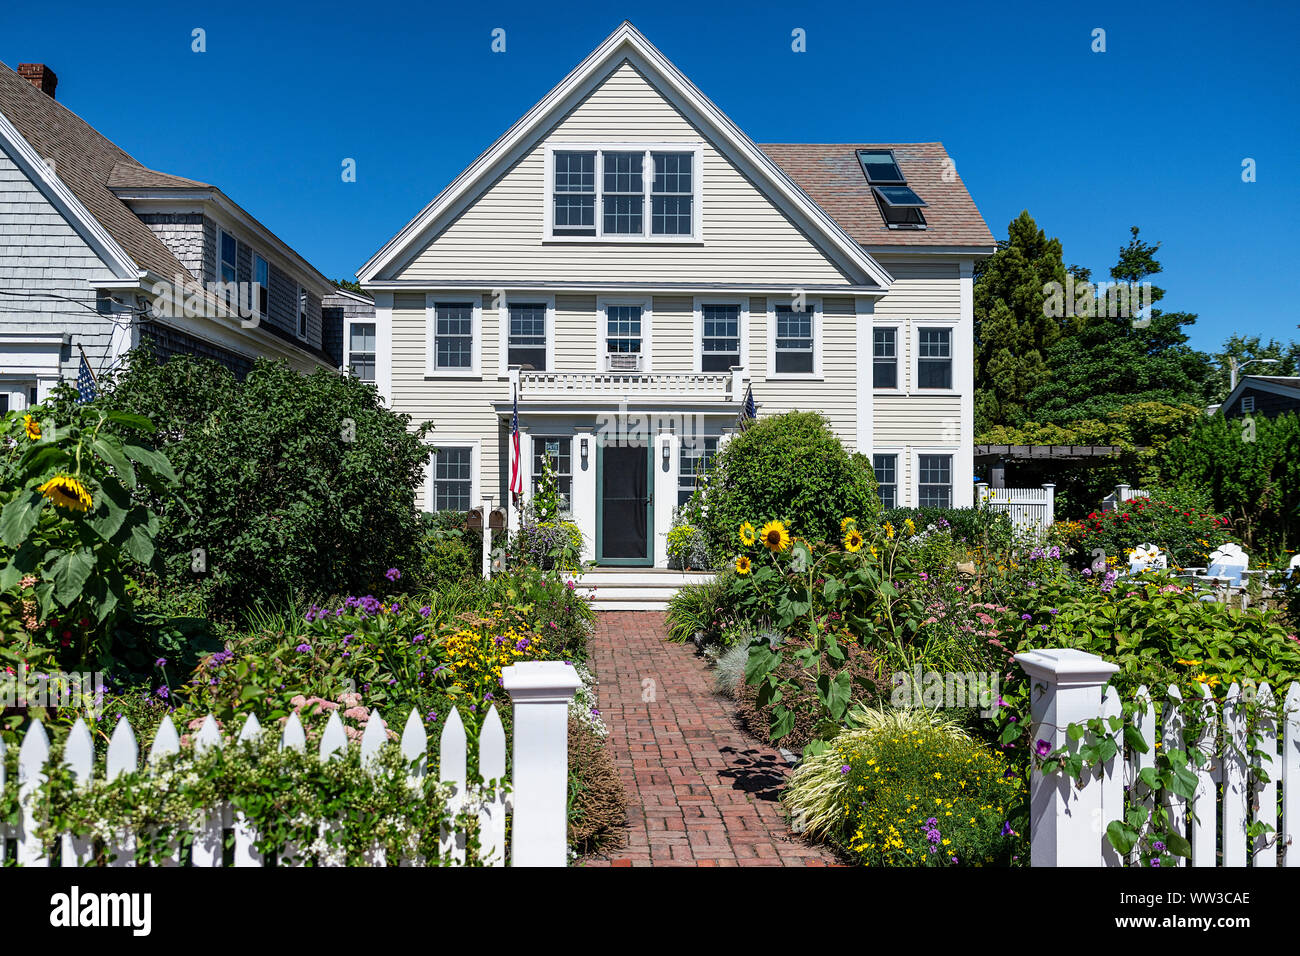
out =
column 899, row 204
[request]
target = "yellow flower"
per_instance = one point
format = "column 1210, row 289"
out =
column 853, row 540
column 911, row 528
column 774, row 536
column 1188, row 663
column 889, row 530
column 845, row 522
column 32, row 427
column 67, row 491
column 747, row 534
column 742, row 565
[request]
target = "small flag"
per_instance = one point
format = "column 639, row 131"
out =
column 87, row 387
column 516, row 466
column 749, row 412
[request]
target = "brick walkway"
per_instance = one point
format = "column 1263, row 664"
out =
column 701, row 792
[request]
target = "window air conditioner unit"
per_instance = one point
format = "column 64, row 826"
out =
column 623, row 361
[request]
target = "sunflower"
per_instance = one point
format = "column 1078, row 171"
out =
column 742, row 565
column 845, row 522
column 67, row 491
column 774, row 536
column 853, row 540
column 889, row 530
column 747, row 534
column 32, row 427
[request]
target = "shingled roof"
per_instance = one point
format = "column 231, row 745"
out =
column 832, row 176
column 85, row 161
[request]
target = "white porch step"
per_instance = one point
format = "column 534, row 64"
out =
column 633, row 589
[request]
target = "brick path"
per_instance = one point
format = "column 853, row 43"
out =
column 701, row 792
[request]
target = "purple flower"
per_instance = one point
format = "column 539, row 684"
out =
column 424, row 611
column 1155, row 862
column 1026, row 617
column 162, row 692
column 417, row 639
column 392, row 574
column 303, row 648
column 932, row 822
column 160, row 662
column 1158, row 846
column 1006, row 828
column 845, row 769
column 1042, row 748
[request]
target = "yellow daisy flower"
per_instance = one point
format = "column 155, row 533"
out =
column 845, row 522
column 67, row 491
column 747, row 534
column 853, row 540
column 742, row 565
column 32, row 427
column 774, row 536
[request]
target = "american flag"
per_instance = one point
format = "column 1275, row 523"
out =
column 86, row 384
column 516, row 466
column 749, row 412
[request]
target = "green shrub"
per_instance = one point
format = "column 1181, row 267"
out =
column 688, row 549
column 974, row 527
column 450, row 552
column 1179, row 523
column 551, row 545
column 290, row 485
column 698, row 608
column 913, row 796
column 791, row 467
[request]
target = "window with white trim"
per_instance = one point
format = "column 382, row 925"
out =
column 361, row 350
column 558, row 449
column 794, row 341
column 693, row 464
column 228, row 258
column 886, row 469
column 526, row 344
column 934, row 358
column 719, row 337
column 453, row 478
column 623, row 338
column 453, row 336
column 884, row 358
column 302, row 313
column 934, row 481
column 623, row 193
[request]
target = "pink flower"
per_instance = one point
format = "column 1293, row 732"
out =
column 357, row 713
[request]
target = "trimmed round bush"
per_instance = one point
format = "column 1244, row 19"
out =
column 791, row 467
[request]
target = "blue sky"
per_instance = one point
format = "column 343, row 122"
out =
column 1151, row 132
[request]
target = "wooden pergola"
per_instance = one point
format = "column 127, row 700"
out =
column 996, row 456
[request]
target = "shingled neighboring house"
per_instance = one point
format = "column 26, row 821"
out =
column 99, row 253
column 1267, row 395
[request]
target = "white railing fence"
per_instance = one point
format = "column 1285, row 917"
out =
column 1032, row 510
column 1121, row 494
column 1068, row 821
column 540, row 692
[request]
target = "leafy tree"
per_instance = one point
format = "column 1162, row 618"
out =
column 1108, row 361
column 350, row 285
column 1245, row 348
column 1012, row 330
column 291, row 485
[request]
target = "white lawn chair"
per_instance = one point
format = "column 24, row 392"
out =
column 1228, row 561
column 1147, row 557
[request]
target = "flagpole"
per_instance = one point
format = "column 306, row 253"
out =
column 89, row 368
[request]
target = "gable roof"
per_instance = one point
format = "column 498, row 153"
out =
column 83, row 161
column 1287, row 386
column 831, row 174
column 625, row 44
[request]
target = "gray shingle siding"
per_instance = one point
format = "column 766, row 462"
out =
column 184, row 234
column 42, row 256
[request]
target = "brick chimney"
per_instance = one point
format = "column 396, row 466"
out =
column 40, row 76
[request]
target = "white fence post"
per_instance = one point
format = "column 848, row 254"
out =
column 1050, row 518
column 1067, row 823
column 541, row 691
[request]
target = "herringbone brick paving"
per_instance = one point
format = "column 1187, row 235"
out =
column 701, row 792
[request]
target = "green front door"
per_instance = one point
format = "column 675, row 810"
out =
column 624, row 505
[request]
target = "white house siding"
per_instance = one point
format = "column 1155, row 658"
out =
column 745, row 237
column 41, row 253
column 460, row 408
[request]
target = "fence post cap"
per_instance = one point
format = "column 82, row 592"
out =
column 540, row 680
column 1065, row 665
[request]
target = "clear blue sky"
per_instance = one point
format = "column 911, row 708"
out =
column 1151, row 133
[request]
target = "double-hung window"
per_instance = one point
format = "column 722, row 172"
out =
column 361, row 350
column 453, row 336
column 884, row 358
column 557, row 450
column 262, row 276
column 719, row 337
column 693, row 463
column 302, row 313
column 934, row 358
column 228, row 251
column 453, row 478
column 886, row 469
column 934, row 481
column 793, row 343
column 527, row 335
column 624, row 339
column 624, row 193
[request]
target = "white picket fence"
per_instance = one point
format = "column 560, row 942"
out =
column 537, row 800
column 1068, row 821
column 1032, row 510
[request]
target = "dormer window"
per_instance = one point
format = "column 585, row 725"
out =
column 622, row 193
column 899, row 204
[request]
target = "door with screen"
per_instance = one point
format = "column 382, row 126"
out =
column 625, row 503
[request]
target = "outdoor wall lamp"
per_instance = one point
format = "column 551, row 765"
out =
column 582, row 444
column 668, row 452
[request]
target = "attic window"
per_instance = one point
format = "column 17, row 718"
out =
column 899, row 204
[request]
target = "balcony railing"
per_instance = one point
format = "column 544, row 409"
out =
column 618, row 386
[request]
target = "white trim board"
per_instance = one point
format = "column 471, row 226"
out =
column 626, row 43
column 504, row 298
column 697, row 334
column 812, row 304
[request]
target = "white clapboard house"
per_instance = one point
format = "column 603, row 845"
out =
column 627, row 263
